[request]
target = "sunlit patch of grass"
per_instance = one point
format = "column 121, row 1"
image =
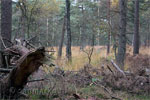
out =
column 79, row 58
column 143, row 50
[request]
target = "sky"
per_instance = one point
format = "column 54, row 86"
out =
column 15, row 0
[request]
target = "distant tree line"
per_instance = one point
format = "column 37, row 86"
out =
column 69, row 23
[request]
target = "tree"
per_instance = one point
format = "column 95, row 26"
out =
column 122, row 35
column 68, row 45
column 6, row 21
column 62, row 38
column 109, row 30
column 136, row 29
column 82, row 27
column 6, row 25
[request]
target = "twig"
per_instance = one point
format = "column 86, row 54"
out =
column 89, row 54
column 110, row 69
column 28, row 43
column 3, row 42
column 49, row 51
column 37, row 80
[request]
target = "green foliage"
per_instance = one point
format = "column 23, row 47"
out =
column 89, row 20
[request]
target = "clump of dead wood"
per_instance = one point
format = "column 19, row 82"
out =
column 20, row 63
column 136, row 80
column 139, row 64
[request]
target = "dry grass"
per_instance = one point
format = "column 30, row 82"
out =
column 143, row 50
column 79, row 58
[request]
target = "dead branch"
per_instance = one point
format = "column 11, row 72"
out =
column 29, row 62
column 110, row 94
column 110, row 69
column 43, row 79
column 89, row 53
column 118, row 68
column 3, row 70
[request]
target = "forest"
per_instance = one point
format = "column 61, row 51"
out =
column 75, row 49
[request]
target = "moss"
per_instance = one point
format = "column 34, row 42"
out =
column 142, row 97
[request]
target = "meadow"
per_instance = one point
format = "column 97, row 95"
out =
column 99, row 55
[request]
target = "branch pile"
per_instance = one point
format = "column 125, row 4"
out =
column 136, row 81
column 24, row 62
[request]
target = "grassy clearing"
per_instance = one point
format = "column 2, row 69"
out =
column 79, row 58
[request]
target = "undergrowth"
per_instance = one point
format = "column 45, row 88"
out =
column 99, row 57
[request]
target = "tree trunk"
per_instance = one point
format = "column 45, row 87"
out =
column 62, row 38
column 136, row 29
column 68, row 45
column 93, row 40
column 122, row 35
column 47, row 31
column 82, row 29
column 148, row 35
column 6, row 25
column 109, row 29
column 6, row 21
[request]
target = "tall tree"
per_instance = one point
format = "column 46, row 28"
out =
column 136, row 28
column 62, row 38
column 68, row 45
column 82, row 27
column 6, row 21
column 122, row 35
column 109, row 29
column 6, row 26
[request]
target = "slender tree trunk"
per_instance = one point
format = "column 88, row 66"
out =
column 47, row 31
column 109, row 29
column 6, row 25
column 21, row 27
column 82, row 39
column 122, row 36
column 68, row 47
column 148, row 35
column 93, row 40
column 62, row 38
column 136, row 38
column 23, row 19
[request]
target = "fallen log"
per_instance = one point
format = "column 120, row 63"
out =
column 14, row 82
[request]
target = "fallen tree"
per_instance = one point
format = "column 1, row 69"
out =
column 25, row 62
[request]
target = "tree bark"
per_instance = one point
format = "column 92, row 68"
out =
column 136, row 41
column 6, row 21
column 29, row 62
column 62, row 38
column 68, row 45
column 82, row 29
column 6, row 26
column 122, row 36
column 109, row 28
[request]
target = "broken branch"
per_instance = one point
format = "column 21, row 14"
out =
column 118, row 68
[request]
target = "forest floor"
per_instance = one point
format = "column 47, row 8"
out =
column 80, row 80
